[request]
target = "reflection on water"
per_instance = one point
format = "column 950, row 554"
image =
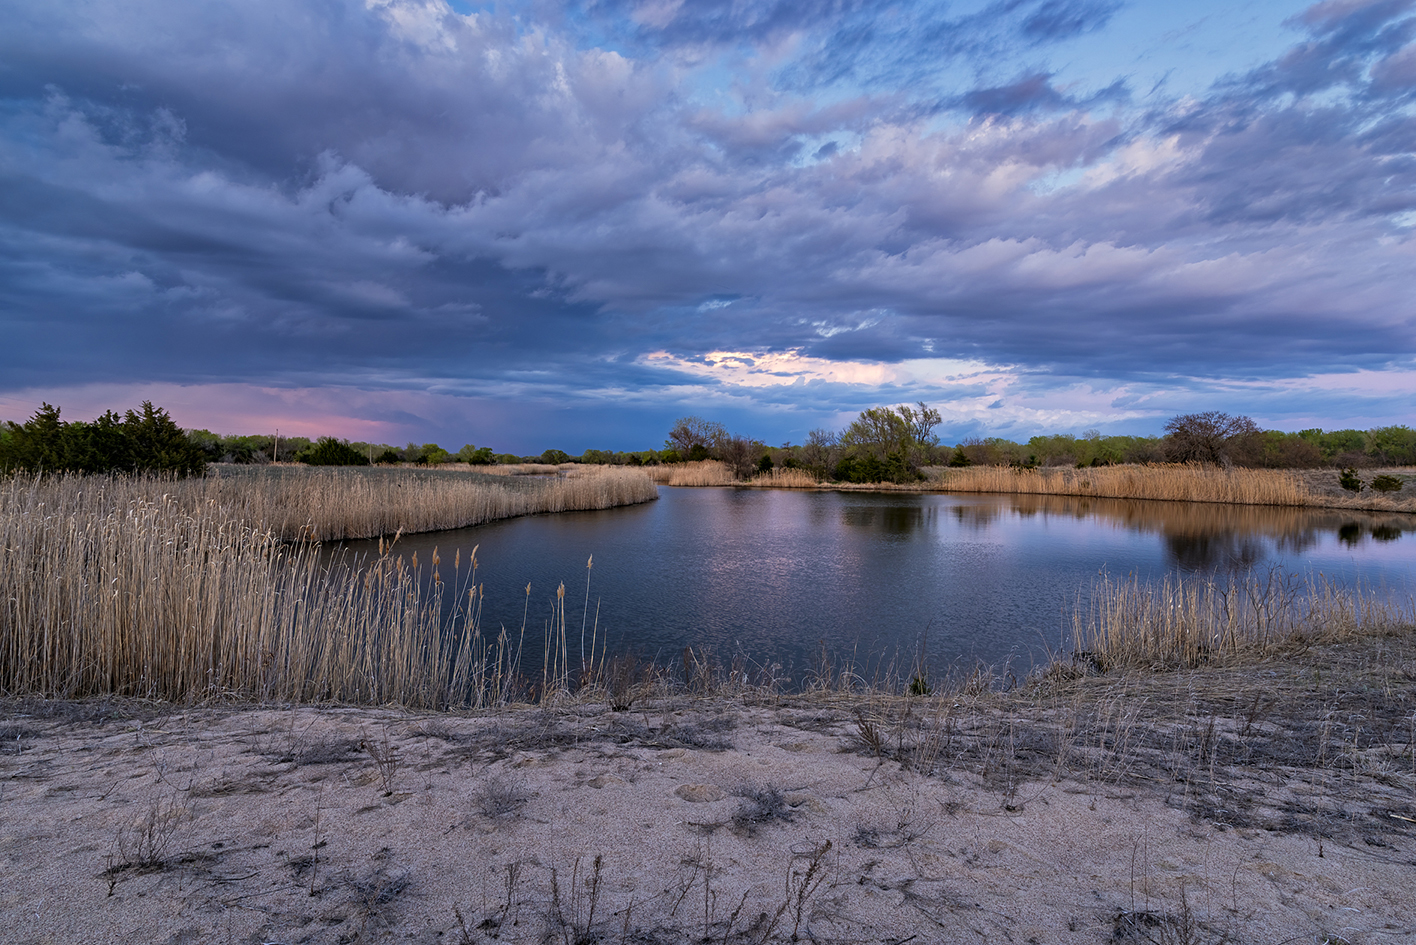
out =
column 1386, row 532
column 890, row 519
column 878, row 577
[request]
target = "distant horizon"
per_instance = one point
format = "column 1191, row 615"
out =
column 569, row 222
column 530, row 447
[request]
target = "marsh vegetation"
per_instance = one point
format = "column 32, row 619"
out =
column 203, row 589
column 210, row 588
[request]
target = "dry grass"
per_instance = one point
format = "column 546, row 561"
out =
column 116, row 587
column 708, row 472
column 1169, row 482
column 1291, row 488
column 170, row 590
column 326, row 505
column 1183, row 623
column 785, row 479
column 524, row 469
column 1182, row 483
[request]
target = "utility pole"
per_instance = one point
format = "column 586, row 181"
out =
column 276, row 457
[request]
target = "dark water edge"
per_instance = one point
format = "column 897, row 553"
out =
column 879, row 580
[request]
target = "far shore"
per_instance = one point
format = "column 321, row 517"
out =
column 1292, row 488
column 1267, row 797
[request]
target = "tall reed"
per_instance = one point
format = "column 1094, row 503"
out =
column 707, row 472
column 1183, row 622
column 323, row 504
column 112, row 587
column 780, row 478
column 1178, row 482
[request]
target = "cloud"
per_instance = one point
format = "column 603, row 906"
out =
column 784, row 212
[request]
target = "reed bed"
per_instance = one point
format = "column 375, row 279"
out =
column 336, row 505
column 105, row 590
column 298, row 503
column 708, row 472
column 1183, row 623
column 1171, row 482
column 523, row 469
column 780, row 478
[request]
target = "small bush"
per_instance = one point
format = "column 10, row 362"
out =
column 1349, row 480
column 1387, row 484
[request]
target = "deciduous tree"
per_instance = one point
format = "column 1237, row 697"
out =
column 1209, row 437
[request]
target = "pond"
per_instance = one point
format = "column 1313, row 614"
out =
column 775, row 575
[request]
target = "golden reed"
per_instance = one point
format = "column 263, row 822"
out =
column 187, row 590
column 1182, row 622
column 324, row 505
column 708, row 472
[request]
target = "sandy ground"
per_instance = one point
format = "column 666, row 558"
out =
column 1270, row 802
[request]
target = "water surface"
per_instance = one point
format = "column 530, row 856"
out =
column 774, row 575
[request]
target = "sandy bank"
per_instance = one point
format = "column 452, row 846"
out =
column 1268, row 801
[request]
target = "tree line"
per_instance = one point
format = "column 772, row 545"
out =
column 892, row 444
column 883, row 444
column 142, row 440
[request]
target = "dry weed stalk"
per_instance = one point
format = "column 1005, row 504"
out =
column 1180, row 622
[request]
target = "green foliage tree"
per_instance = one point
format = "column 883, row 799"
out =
column 1277, row 450
column 555, row 457
column 331, row 452
column 429, row 454
column 141, row 441
column 475, row 456
column 157, row 444
column 212, row 446
column 1349, row 480
column 887, row 444
column 1395, row 445
column 40, row 444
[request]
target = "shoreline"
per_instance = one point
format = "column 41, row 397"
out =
column 1271, row 488
column 1258, row 798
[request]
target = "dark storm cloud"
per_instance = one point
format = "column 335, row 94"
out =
column 391, row 196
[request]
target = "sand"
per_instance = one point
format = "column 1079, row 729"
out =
column 1160, row 807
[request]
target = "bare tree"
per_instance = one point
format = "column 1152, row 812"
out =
column 689, row 432
column 921, row 423
column 740, row 453
column 1209, row 437
column 822, row 450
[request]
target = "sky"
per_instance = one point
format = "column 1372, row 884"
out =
column 545, row 224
